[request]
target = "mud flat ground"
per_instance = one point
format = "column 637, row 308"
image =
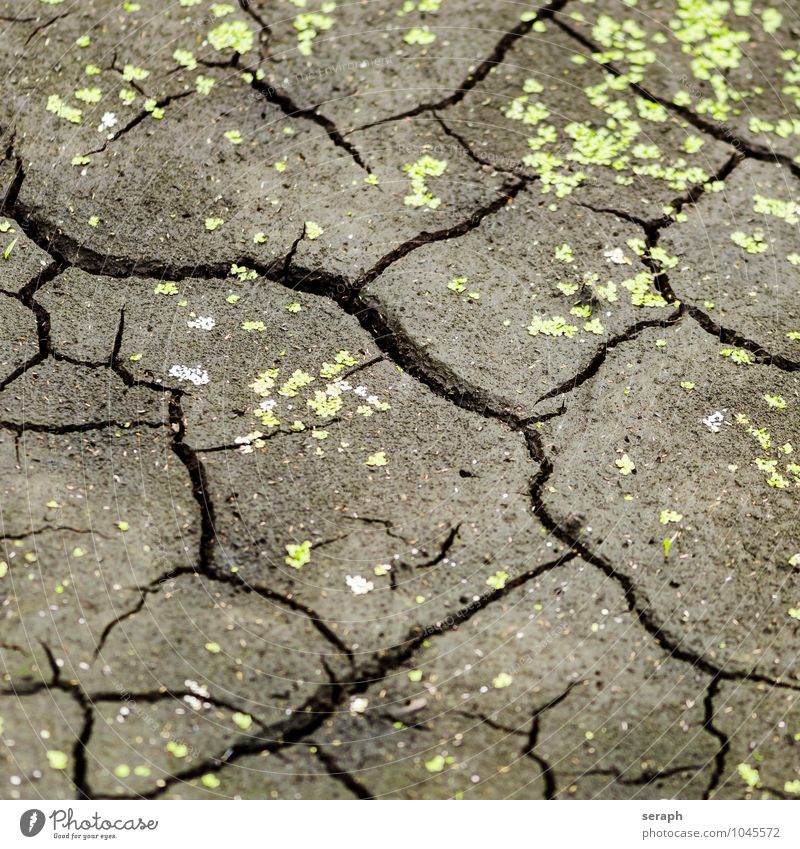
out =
column 399, row 399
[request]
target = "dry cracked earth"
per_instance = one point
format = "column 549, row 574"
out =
column 399, row 399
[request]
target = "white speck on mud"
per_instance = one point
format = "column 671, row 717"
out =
column 358, row 704
column 617, row 256
column 202, row 322
column 714, row 421
column 108, row 121
column 197, row 375
column 359, row 585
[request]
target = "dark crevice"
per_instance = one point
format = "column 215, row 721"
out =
column 10, row 19
column 444, row 550
column 116, row 364
column 472, row 154
column 493, row 723
column 313, row 714
column 289, row 108
column 338, row 773
column 80, row 767
column 660, row 276
column 385, row 662
column 20, row 370
column 696, row 192
column 9, row 200
column 646, row 777
column 393, row 342
column 264, row 28
column 80, row 774
column 506, row 195
column 637, row 601
column 55, row 669
column 197, row 475
column 437, row 376
column 42, row 319
column 529, row 749
column 236, row 581
column 593, row 366
column 653, row 229
column 729, row 336
column 288, row 601
column 40, row 314
column 652, row 234
column 44, row 26
column 368, row 363
column 163, row 694
column 190, row 459
column 617, row 213
column 67, row 252
column 287, row 262
column 385, row 523
column 316, row 711
column 303, row 722
column 137, row 119
column 495, row 58
column 52, row 529
column 84, row 427
column 28, row 687
column 117, row 621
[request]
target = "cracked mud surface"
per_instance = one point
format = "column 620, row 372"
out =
column 399, row 400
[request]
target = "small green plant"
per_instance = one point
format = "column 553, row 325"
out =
column 564, row 253
column 502, row 680
column 62, row 110
column 497, row 581
column 419, row 171
column 232, row 35
column 753, row 244
column 421, row 36
column 625, row 465
column 749, row 775
column 309, row 24
column 376, row 460
column 555, row 326
column 737, row 355
column 312, row 230
column 298, row 555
